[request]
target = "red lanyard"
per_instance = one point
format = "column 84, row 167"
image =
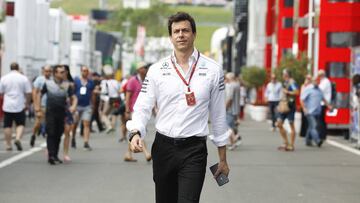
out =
column 191, row 74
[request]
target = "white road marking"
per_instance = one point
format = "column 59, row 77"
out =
column 343, row 147
column 21, row 155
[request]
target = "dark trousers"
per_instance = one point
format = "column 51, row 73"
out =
column 54, row 130
column 95, row 117
column 273, row 112
column 304, row 124
column 178, row 168
column 322, row 124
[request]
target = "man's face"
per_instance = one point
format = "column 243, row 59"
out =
column 47, row 72
column 285, row 77
column 84, row 72
column 273, row 77
column 182, row 36
column 59, row 74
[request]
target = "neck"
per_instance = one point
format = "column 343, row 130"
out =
column 142, row 77
column 57, row 80
column 182, row 57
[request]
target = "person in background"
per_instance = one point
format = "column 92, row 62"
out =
column 110, row 96
column 37, row 87
column 304, row 125
column 242, row 100
column 133, row 89
column 325, row 87
column 272, row 97
column 58, row 91
column 232, row 97
column 290, row 91
column 95, row 114
column 69, row 118
column 310, row 101
column 84, row 88
column 123, row 117
column 16, row 90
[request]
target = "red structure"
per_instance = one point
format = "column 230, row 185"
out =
column 301, row 30
column 285, row 28
column 339, row 28
column 270, row 29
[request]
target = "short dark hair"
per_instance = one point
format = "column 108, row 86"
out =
column 14, row 66
column 181, row 16
column 56, row 67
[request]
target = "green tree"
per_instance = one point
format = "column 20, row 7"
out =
column 296, row 66
column 153, row 19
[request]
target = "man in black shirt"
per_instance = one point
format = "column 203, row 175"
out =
column 58, row 91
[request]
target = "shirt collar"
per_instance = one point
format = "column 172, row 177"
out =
column 192, row 58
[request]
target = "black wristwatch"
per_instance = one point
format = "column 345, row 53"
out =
column 132, row 134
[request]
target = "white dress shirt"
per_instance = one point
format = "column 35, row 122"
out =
column 14, row 86
column 325, row 87
column 273, row 91
column 175, row 118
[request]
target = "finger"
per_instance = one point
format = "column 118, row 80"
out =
column 217, row 172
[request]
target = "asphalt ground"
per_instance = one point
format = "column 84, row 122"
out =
column 258, row 172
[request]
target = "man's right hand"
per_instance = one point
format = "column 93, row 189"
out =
column 136, row 144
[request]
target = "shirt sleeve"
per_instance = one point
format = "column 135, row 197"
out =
column 220, row 129
column 1, row 87
column 28, row 88
column 44, row 89
column 130, row 85
column 71, row 90
column 143, row 105
column 267, row 91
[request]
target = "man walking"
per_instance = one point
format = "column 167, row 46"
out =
column 39, row 118
column 272, row 96
column 84, row 88
column 133, row 89
column 16, row 90
column 232, row 97
column 325, row 87
column 187, row 87
column 58, row 91
column 310, row 101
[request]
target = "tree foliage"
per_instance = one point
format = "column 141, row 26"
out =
column 254, row 76
column 297, row 67
column 154, row 19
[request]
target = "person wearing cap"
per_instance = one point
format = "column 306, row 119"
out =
column 132, row 91
column 187, row 87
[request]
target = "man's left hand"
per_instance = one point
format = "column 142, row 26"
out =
column 222, row 168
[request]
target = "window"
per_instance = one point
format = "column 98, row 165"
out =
column 343, row 39
column 336, row 1
column 289, row 3
column 287, row 23
column 286, row 51
column 342, row 100
column 337, row 69
column 10, row 8
column 76, row 36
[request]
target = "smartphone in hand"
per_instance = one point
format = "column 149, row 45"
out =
column 222, row 178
